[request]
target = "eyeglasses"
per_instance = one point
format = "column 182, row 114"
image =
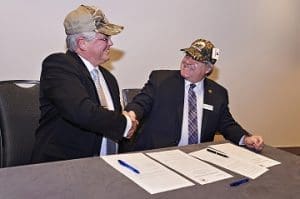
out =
column 105, row 39
column 193, row 64
column 190, row 66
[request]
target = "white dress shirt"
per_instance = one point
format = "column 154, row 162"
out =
column 110, row 104
column 199, row 91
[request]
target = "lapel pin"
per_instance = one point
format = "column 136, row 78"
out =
column 209, row 91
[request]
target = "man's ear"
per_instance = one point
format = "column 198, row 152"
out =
column 81, row 44
column 209, row 70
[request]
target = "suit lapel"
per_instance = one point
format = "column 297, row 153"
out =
column 208, row 92
column 111, row 87
column 179, row 100
column 109, row 81
column 82, row 70
column 80, row 65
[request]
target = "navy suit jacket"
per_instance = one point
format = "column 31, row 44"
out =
column 72, row 122
column 159, row 107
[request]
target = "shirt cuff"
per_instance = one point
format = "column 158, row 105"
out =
column 242, row 143
column 128, row 125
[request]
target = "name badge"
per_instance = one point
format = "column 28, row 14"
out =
column 208, row 107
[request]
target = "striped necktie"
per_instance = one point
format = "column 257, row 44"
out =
column 192, row 116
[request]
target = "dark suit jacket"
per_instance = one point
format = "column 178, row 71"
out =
column 72, row 122
column 159, row 107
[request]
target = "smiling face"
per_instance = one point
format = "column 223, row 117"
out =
column 192, row 70
column 95, row 50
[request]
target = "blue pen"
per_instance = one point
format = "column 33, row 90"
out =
column 124, row 164
column 239, row 182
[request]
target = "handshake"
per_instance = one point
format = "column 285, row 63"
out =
column 134, row 123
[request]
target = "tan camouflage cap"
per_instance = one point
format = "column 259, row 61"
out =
column 89, row 19
column 203, row 50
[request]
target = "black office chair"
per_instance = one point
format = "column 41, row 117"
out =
column 128, row 94
column 19, row 115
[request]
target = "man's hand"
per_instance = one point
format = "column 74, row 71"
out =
column 254, row 142
column 134, row 123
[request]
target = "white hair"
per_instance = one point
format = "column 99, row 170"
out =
column 210, row 65
column 71, row 40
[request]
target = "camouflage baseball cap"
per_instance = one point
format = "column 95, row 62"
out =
column 203, row 50
column 89, row 19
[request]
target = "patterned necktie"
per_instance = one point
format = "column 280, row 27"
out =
column 111, row 147
column 192, row 116
column 101, row 95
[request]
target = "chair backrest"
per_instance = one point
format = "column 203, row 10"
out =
column 19, row 115
column 128, row 94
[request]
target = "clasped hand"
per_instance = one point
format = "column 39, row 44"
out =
column 134, row 123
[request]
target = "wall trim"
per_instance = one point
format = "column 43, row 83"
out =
column 294, row 150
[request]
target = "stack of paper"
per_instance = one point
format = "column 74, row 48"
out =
column 236, row 159
column 147, row 173
column 245, row 155
column 194, row 169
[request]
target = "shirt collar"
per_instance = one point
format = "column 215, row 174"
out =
column 88, row 64
column 198, row 84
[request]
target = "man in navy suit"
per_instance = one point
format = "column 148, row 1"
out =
column 75, row 122
column 169, row 118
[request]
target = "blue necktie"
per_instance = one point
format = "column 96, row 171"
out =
column 192, row 116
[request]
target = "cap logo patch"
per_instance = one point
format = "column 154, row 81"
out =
column 199, row 45
column 215, row 53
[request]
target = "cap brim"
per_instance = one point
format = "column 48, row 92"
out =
column 193, row 53
column 110, row 29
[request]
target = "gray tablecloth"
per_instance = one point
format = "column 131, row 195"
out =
column 93, row 178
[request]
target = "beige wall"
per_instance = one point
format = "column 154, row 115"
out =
column 259, row 39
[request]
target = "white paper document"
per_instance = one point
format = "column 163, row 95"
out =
column 147, row 173
column 245, row 155
column 194, row 169
column 236, row 165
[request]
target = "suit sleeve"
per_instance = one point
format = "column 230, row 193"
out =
column 64, row 87
column 142, row 102
column 228, row 127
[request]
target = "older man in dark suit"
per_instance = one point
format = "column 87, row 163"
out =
column 185, row 107
column 80, row 105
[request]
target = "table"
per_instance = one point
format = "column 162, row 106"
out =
column 93, row 178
